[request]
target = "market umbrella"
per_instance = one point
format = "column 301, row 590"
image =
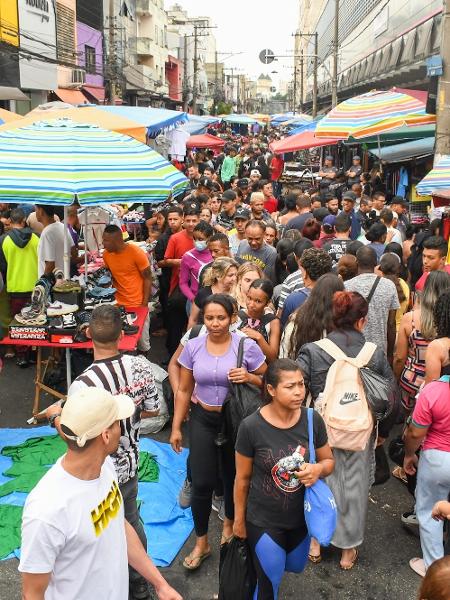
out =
column 197, row 124
column 372, row 114
column 86, row 115
column 438, row 179
column 154, row 119
column 56, row 161
column 6, row 116
column 241, row 119
column 301, row 141
column 205, row 141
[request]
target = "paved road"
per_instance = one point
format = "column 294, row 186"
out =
column 382, row 572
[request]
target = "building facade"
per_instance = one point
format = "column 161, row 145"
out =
column 192, row 41
column 90, row 56
column 9, row 51
column 39, row 51
column 380, row 44
column 145, row 72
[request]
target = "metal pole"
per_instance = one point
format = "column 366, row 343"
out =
column 316, row 57
column 216, row 83
column 294, row 99
column 195, row 78
column 301, row 82
column 238, row 94
column 335, row 54
column 111, row 51
column 443, row 100
column 185, row 78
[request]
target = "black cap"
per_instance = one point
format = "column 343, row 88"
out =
column 320, row 213
column 229, row 195
column 349, row 196
column 329, row 157
column 244, row 182
column 206, row 182
column 399, row 200
column 241, row 213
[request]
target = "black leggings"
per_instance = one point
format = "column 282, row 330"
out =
column 275, row 551
column 207, row 462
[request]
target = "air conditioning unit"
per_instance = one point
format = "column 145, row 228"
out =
column 78, row 77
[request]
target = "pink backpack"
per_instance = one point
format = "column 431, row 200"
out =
column 343, row 404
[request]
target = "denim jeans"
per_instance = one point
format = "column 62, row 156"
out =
column 129, row 491
column 433, row 484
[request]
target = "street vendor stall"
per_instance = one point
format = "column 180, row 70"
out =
column 60, row 161
column 126, row 344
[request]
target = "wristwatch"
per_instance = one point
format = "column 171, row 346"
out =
column 52, row 418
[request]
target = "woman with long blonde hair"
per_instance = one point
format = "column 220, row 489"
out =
column 220, row 278
column 247, row 273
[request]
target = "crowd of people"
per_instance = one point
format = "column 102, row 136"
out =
column 265, row 290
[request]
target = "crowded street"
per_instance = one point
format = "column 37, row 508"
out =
column 224, row 300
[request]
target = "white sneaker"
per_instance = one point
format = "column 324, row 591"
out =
column 57, row 309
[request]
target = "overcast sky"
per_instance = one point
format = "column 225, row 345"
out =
column 249, row 26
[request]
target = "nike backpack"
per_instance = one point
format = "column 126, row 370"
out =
column 343, row 403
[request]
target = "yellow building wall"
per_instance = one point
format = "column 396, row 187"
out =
column 9, row 22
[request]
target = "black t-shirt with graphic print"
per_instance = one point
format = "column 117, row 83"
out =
column 275, row 496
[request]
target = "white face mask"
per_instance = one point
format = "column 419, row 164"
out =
column 200, row 245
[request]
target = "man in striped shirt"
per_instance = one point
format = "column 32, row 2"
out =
column 294, row 281
column 122, row 374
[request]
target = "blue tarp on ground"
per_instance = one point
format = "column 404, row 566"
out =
column 167, row 526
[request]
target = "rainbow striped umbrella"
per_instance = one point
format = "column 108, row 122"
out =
column 438, row 178
column 56, row 161
column 372, row 114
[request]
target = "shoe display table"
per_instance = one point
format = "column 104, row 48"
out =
column 128, row 343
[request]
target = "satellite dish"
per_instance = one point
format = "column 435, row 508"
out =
column 266, row 56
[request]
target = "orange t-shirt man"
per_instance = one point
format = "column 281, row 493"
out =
column 179, row 243
column 126, row 268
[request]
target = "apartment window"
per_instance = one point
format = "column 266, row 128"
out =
column 89, row 53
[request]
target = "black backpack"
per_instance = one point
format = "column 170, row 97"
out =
column 261, row 328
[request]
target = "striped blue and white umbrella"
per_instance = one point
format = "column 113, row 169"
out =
column 56, row 161
column 437, row 180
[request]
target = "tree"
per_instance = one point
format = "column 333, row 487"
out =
column 224, row 109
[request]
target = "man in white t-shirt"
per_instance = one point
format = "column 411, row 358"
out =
column 76, row 543
column 51, row 242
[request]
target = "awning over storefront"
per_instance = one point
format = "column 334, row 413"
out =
column 71, row 96
column 406, row 151
column 11, row 93
column 96, row 92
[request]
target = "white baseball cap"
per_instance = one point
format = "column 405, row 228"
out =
column 91, row 410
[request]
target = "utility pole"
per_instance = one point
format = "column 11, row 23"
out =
column 195, row 79
column 111, row 52
column 216, row 83
column 301, row 82
column 185, row 75
column 443, row 100
column 316, row 60
column 334, row 97
column 294, row 94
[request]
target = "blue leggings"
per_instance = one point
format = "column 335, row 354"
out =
column 274, row 552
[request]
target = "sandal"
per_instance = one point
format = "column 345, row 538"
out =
column 315, row 558
column 226, row 540
column 352, row 564
column 400, row 474
column 195, row 561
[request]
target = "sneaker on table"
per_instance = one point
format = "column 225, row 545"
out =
column 32, row 318
column 57, row 309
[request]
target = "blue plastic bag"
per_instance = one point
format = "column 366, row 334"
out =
column 320, row 505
